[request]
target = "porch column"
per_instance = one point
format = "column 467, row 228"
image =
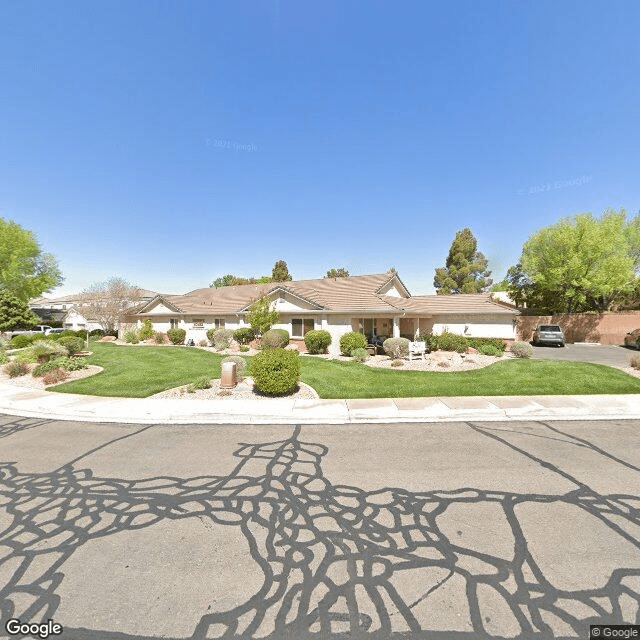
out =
column 396, row 327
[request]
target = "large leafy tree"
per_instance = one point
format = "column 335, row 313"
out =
column 466, row 269
column 280, row 272
column 580, row 263
column 15, row 313
column 340, row 272
column 232, row 281
column 25, row 270
column 108, row 302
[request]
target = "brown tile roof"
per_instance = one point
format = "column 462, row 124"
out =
column 355, row 293
column 462, row 303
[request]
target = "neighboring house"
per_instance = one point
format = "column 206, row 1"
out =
column 69, row 310
column 375, row 304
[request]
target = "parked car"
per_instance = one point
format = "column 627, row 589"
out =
column 632, row 339
column 548, row 334
column 49, row 331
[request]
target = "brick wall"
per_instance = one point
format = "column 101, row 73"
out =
column 606, row 328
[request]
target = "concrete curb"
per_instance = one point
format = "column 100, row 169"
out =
column 24, row 402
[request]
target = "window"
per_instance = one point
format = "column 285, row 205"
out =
column 299, row 327
column 198, row 324
column 218, row 323
column 174, row 323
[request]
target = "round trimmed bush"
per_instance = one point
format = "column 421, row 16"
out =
column 489, row 350
column 275, row 339
column 351, row 341
column 522, row 350
column 241, row 365
column 275, row 371
column 396, row 348
column 21, row 341
column 317, row 341
column 360, row 354
column 452, row 342
column 244, row 335
column 177, row 336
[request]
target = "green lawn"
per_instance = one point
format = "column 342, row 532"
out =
column 138, row 372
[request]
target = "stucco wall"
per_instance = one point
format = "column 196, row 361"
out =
column 605, row 328
column 483, row 326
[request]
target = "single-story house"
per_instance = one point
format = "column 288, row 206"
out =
column 374, row 304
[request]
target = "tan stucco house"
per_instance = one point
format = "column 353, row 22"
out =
column 379, row 304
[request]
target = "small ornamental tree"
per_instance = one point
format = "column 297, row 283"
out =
column 261, row 317
column 15, row 314
column 146, row 331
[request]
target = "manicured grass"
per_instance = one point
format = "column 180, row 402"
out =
column 138, row 372
column 506, row 378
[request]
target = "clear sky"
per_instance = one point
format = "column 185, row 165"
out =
column 170, row 143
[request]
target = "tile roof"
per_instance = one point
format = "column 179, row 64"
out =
column 463, row 303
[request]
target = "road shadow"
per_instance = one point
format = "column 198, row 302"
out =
column 337, row 561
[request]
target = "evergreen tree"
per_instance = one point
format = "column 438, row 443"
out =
column 15, row 314
column 466, row 269
column 280, row 272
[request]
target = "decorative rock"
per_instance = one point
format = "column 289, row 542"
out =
column 471, row 350
column 292, row 347
column 108, row 339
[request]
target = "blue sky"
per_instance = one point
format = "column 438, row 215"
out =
column 173, row 142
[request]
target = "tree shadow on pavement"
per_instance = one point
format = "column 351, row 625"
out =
column 337, row 561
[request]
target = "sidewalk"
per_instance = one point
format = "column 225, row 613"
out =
column 63, row 406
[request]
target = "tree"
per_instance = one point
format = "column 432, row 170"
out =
column 582, row 263
column 234, row 281
column 261, row 317
column 280, row 272
column 15, row 313
column 25, row 271
column 340, row 272
column 466, row 269
column 108, row 302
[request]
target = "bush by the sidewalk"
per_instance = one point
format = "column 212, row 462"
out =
column 351, row 341
column 177, row 336
column 275, row 371
column 635, row 362
column 317, row 341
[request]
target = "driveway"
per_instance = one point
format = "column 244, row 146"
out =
column 609, row 354
column 464, row 530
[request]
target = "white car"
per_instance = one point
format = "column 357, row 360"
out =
column 49, row 331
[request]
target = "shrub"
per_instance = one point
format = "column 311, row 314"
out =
column 67, row 334
column 396, row 348
column 42, row 351
column 317, row 341
column 58, row 375
column 397, row 363
column 21, row 341
column 275, row 339
column 68, row 364
column 244, row 335
column 4, row 358
column 275, row 371
column 97, row 332
column 72, row 345
column 203, row 343
column 452, row 342
column 15, row 369
column 497, row 343
column 430, row 340
column 159, row 337
column 177, row 336
column 635, row 362
column 489, row 350
column 244, row 347
column 220, row 338
column 45, row 367
column 522, row 350
column 200, row 383
column 360, row 354
column 81, row 333
column 146, row 330
column 241, row 365
column 351, row 341
column 131, row 336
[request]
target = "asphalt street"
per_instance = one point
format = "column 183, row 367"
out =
column 609, row 354
column 456, row 530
